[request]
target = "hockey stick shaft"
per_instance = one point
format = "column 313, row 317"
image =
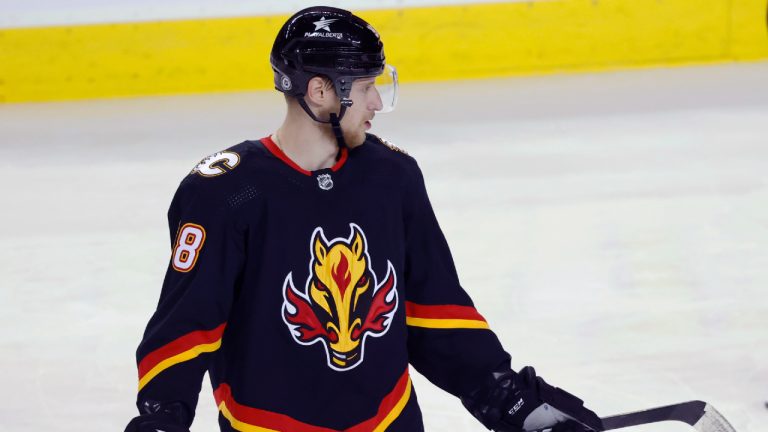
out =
column 702, row 416
column 687, row 412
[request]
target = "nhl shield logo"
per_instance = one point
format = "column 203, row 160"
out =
column 325, row 181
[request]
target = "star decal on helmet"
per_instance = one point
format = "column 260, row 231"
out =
column 324, row 24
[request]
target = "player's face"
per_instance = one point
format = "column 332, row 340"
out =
column 357, row 119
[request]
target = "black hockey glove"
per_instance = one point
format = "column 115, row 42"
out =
column 157, row 416
column 518, row 402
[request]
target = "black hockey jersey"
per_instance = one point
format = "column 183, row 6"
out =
column 306, row 295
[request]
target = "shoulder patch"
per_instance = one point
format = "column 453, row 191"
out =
column 217, row 164
column 390, row 145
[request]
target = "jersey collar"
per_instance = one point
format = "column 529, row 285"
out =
column 275, row 150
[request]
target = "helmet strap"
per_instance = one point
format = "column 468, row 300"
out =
column 335, row 122
column 336, row 126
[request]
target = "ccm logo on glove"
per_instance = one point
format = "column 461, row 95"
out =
column 516, row 407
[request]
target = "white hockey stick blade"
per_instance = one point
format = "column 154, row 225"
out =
column 713, row 421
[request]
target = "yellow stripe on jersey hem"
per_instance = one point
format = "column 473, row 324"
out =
column 395, row 413
column 446, row 323
column 178, row 358
column 238, row 425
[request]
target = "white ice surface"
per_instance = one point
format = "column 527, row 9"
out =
column 612, row 228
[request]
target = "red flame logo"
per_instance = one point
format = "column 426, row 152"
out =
column 342, row 303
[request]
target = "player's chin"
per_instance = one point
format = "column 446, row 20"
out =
column 355, row 138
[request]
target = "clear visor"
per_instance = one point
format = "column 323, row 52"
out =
column 386, row 85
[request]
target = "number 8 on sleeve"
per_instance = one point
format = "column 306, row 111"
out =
column 187, row 248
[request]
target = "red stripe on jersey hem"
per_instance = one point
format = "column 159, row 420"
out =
column 388, row 405
column 180, row 345
column 278, row 153
column 272, row 420
column 414, row 310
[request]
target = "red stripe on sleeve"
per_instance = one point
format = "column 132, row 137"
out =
column 178, row 346
column 414, row 310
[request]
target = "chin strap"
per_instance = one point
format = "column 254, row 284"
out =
column 336, row 126
column 335, row 122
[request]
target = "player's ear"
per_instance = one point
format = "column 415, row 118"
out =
column 320, row 92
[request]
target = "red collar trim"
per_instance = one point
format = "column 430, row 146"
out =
column 275, row 150
column 342, row 159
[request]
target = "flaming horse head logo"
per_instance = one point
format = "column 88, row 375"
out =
column 343, row 303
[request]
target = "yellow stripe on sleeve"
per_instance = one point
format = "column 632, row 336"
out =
column 446, row 323
column 178, row 358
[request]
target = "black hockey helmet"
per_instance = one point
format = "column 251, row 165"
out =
column 334, row 43
column 326, row 41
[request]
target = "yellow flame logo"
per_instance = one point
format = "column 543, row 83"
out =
column 342, row 303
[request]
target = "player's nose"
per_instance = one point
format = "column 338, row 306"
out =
column 376, row 104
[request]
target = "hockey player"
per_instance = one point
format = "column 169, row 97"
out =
column 308, row 271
